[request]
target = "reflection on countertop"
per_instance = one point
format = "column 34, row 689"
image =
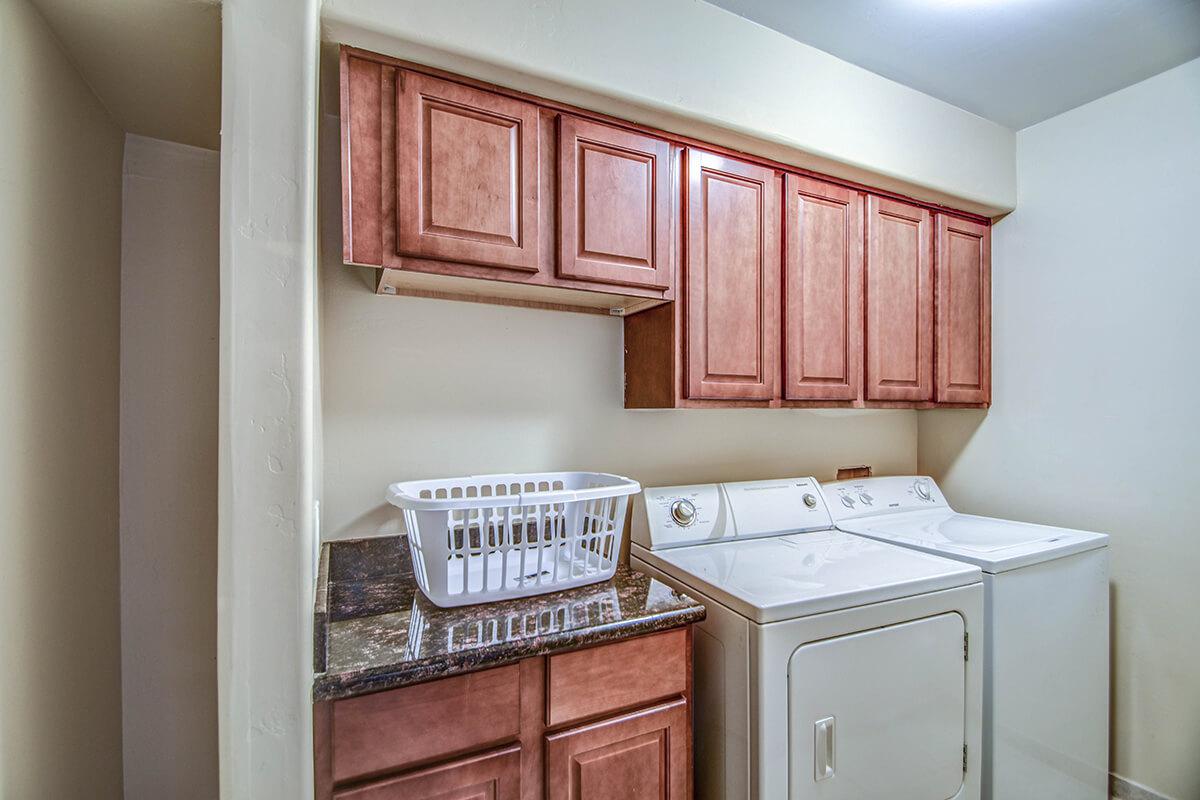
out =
column 374, row 630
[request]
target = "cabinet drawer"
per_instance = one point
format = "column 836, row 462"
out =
column 391, row 730
column 618, row 676
column 496, row 776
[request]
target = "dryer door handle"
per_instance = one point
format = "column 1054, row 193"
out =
column 823, row 734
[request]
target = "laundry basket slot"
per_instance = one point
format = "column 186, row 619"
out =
column 493, row 537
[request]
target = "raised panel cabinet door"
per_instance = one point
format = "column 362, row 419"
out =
column 466, row 174
column 822, row 290
column 732, row 275
column 639, row 756
column 964, row 311
column 488, row 776
column 614, row 205
column 899, row 302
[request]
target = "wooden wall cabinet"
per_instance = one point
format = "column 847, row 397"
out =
column 467, row 192
column 899, row 301
column 883, row 303
column 607, row 721
column 829, row 294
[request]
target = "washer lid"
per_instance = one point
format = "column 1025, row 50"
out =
column 995, row 545
column 796, row 575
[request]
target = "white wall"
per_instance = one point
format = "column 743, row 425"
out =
column 169, row 313
column 60, row 226
column 1096, row 287
column 267, row 404
column 697, row 69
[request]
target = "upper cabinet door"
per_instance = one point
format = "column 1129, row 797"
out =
column 964, row 311
column 466, row 174
column 822, row 290
column 614, row 205
column 899, row 287
column 732, row 276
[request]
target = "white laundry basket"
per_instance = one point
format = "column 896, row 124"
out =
column 494, row 537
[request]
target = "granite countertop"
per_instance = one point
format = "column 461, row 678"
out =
column 374, row 630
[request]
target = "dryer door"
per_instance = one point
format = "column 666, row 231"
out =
column 879, row 714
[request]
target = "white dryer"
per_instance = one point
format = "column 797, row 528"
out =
column 829, row 667
column 1045, row 701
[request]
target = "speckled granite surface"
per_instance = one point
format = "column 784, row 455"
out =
column 374, row 630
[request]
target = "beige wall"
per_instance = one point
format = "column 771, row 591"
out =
column 691, row 67
column 169, row 312
column 418, row 388
column 1097, row 373
column 60, row 224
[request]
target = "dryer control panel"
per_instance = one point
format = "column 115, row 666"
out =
column 674, row 516
column 869, row 497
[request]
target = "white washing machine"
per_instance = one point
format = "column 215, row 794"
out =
column 1045, row 697
column 829, row 667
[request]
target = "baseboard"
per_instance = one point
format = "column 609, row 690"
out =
column 1125, row 789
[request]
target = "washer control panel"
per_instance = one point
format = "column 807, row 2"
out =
column 674, row 516
column 868, row 497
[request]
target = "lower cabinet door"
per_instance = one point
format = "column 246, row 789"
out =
column 488, row 776
column 638, row 756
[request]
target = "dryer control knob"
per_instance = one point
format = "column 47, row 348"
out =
column 810, row 501
column 683, row 512
column 847, row 501
column 922, row 490
column 866, row 498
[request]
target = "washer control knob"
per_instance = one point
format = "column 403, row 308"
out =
column 922, row 490
column 847, row 501
column 810, row 501
column 866, row 498
column 683, row 512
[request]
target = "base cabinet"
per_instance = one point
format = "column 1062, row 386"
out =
column 611, row 722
